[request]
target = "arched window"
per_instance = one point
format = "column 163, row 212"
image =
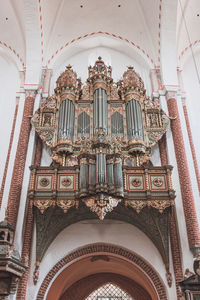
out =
column 109, row 291
column 83, row 125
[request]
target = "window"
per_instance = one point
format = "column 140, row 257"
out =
column 109, row 291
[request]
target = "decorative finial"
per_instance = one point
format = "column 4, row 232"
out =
column 99, row 58
column 68, row 67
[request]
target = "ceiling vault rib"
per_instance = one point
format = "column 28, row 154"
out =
column 55, row 22
column 131, row 43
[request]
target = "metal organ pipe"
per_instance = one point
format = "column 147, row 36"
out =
column 66, row 120
column 101, row 168
column 100, row 123
column 100, row 110
column 134, row 120
column 118, row 176
column 83, row 178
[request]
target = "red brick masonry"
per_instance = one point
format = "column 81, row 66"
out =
column 8, row 155
column 26, row 250
column 174, row 234
column 184, row 176
column 20, row 160
column 108, row 249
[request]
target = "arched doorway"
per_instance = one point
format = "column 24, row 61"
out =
column 95, row 260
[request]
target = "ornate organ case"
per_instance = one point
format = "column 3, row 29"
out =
column 100, row 137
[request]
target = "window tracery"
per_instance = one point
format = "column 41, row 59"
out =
column 109, row 291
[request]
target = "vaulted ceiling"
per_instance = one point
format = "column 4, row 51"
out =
column 138, row 23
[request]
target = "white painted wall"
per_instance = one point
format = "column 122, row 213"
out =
column 191, row 86
column 117, row 59
column 95, row 231
column 9, row 85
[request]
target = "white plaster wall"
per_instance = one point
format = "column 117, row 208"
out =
column 155, row 158
column 192, row 89
column 46, row 157
column 95, row 231
column 118, row 60
column 9, row 85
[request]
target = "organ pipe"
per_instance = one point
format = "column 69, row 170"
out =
column 66, row 120
column 100, row 110
column 134, row 120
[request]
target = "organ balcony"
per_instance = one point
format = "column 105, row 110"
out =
column 142, row 187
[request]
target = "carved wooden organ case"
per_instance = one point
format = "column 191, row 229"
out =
column 100, row 138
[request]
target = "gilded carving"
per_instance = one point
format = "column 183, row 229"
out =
column 42, row 204
column 101, row 204
column 136, row 182
column 66, row 182
column 137, row 205
column 65, row 204
column 158, row 182
column 44, row 182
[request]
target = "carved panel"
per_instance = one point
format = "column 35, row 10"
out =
column 66, row 182
column 44, row 182
column 158, row 182
column 136, row 182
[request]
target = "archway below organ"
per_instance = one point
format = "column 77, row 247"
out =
column 106, row 286
column 81, row 278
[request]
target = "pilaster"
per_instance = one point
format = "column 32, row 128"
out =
column 174, row 233
column 27, row 238
column 20, row 159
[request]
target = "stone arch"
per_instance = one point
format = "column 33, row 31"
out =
column 153, row 281
column 89, row 284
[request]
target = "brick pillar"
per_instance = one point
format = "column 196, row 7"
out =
column 27, row 242
column 8, row 155
column 173, row 227
column 20, row 159
column 184, row 176
column 191, row 144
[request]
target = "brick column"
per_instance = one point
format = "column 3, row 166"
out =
column 27, row 242
column 184, row 176
column 191, row 143
column 20, row 159
column 173, row 227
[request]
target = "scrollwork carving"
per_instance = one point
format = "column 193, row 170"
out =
column 101, row 204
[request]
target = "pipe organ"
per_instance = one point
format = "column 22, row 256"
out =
column 101, row 129
column 100, row 136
